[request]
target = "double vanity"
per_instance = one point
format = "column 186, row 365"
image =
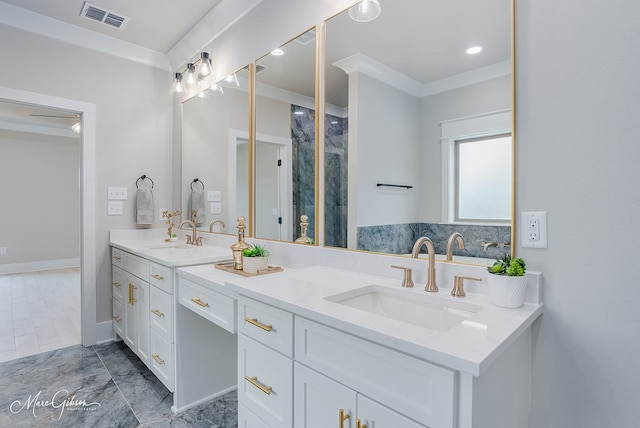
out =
column 326, row 345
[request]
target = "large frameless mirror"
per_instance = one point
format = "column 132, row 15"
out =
column 419, row 129
column 285, row 140
column 215, row 154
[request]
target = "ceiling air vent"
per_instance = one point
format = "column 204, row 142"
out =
column 99, row 14
column 306, row 38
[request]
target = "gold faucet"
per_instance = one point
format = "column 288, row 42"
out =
column 431, row 286
column 194, row 239
column 455, row 236
column 214, row 222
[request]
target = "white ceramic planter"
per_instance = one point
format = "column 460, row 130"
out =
column 507, row 291
column 253, row 264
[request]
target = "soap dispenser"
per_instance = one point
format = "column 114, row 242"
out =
column 239, row 246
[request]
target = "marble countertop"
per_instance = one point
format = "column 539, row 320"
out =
column 173, row 254
column 469, row 347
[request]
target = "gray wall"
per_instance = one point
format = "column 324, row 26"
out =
column 578, row 100
column 133, row 110
column 40, row 191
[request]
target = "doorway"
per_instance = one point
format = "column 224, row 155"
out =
column 87, row 208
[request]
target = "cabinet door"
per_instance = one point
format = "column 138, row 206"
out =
column 318, row 401
column 131, row 318
column 375, row 415
column 141, row 296
column 246, row 419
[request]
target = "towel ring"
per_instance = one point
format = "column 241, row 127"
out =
column 144, row 177
column 196, row 180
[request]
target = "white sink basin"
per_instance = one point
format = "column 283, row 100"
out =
column 423, row 310
column 173, row 246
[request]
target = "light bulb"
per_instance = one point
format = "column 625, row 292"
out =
column 191, row 74
column 205, row 65
column 231, row 80
column 366, row 10
column 177, row 87
column 76, row 127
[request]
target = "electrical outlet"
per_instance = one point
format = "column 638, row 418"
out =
column 114, row 208
column 534, row 229
column 117, row 193
column 215, row 208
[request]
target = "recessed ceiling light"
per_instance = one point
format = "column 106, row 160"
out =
column 278, row 52
column 474, row 50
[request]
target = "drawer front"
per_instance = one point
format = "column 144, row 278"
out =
column 373, row 415
column 246, row 419
column 162, row 360
column 161, row 313
column 161, row 277
column 265, row 382
column 117, row 257
column 118, row 318
column 137, row 266
column 266, row 324
column 218, row 308
column 422, row 391
column 118, row 284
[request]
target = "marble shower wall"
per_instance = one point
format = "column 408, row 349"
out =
column 399, row 238
column 303, row 136
column 335, row 180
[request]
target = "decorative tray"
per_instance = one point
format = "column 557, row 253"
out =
column 227, row 265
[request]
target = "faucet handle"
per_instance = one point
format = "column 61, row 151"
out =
column 189, row 240
column 199, row 241
column 458, row 284
column 407, row 282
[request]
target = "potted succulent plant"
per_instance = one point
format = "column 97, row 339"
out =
column 507, row 282
column 255, row 258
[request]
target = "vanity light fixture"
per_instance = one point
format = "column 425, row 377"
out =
column 76, row 127
column 231, row 80
column 366, row 10
column 215, row 90
column 278, row 52
column 194, row 72
column 474, row 50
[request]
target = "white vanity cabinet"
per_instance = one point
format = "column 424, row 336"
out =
column 265, row 365
column 143, row 311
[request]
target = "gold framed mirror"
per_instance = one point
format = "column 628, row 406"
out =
column 404, row 100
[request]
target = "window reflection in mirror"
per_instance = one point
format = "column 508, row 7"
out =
column 285, row 158
column 215, row 135
column 390, row 85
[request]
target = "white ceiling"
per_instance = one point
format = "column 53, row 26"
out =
column 153, row 24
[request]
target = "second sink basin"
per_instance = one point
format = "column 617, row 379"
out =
column 421, row 310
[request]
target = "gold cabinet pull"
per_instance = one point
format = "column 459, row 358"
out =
column 157, row 312
column 117, row 318
column 158, row 359
column 116, row 257
column 132, row 297
column 116, row 284
column 343, row 418
column 360, row 425
column 158, row 277
column 257, row 323
column 200, row 302
column 254, row 381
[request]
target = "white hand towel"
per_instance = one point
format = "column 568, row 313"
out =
column 197, row 203
column 144, row 206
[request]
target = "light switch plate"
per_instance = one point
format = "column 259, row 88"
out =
column 114, row 208
column 117, row 193
column 216, row 208
column 214, row 196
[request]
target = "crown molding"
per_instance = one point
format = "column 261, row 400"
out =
column 39, row 24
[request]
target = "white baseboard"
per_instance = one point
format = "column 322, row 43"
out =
column 39, row 266
column 104, row 332
column 176, row 411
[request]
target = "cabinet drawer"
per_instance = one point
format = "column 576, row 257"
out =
column 162, row 360
column 118, row 284
column 218, row 308
column 422, row 391
column 160, row 276
column 161, row 313
column 266, row 324
column 246, row 419
column 265, row 382
column 118, row 318
column 137, row 266
column 117, row 257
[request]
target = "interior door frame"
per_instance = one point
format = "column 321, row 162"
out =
column 87, row 190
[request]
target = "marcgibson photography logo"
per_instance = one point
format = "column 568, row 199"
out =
column 60, row 401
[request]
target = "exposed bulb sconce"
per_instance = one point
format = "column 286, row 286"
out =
column 194, row 72
column 215, row 90
column 366, row 10
column 231, row 80
column 76, row 127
